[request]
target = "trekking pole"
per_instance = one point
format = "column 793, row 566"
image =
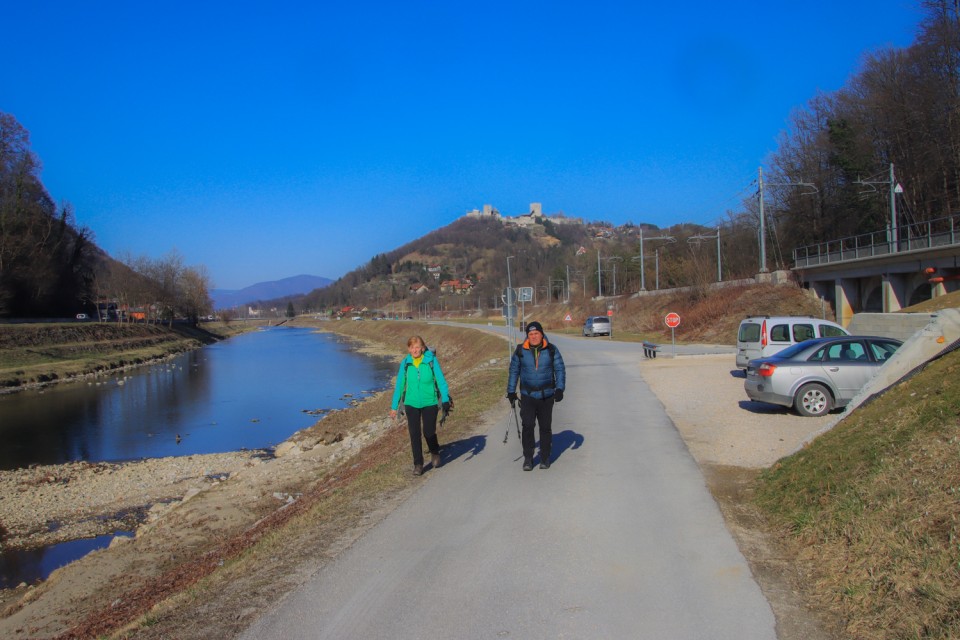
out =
column 517, row 420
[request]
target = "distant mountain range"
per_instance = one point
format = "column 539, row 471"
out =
column 226, row 298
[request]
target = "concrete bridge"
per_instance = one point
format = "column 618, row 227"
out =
column 879, row 273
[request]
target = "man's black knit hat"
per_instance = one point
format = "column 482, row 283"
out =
column 534, row 325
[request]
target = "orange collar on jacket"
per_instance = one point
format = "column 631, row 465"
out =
column 543, row 343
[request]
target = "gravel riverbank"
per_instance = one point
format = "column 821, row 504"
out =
column 46, row 504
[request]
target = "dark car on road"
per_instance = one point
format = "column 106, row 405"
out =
column 819, row 375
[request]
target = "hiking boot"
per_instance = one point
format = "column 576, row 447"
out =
column 545, row 463
column 527, row 464
column 435, row 460
column 418, row 469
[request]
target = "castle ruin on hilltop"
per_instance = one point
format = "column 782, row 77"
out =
column 530, row 218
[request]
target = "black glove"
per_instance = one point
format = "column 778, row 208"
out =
column 512, row 397
column 446, row 408
column 558, row 395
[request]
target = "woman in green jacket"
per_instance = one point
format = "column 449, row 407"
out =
column 422, row 390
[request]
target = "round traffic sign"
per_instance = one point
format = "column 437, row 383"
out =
column 672, row 319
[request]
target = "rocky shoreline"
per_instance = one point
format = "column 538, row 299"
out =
column 47, row 504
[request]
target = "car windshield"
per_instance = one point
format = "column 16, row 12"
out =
column 601, row 319
column 883, row 349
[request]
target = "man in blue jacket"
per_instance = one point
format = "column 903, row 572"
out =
column 538, row 366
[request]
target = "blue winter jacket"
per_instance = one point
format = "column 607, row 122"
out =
column 540, row 371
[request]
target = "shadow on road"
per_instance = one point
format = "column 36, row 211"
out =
column 470, row 447
column 565, row 440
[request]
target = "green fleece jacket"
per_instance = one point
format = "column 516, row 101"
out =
column 415, row 385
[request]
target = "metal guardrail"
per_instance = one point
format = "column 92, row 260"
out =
column 942, row 232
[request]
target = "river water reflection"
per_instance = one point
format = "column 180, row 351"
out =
column 246, row 392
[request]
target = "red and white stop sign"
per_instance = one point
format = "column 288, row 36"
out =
column 672, row 319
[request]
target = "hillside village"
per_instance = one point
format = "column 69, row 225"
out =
column 464, row 267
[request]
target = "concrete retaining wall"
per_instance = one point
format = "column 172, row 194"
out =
column 901, row 326
column 942, row 330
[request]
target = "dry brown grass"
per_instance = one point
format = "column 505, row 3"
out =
column 873, row 510
column 707, row 315
column 949, row 301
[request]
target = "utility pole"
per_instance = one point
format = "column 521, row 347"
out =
column 599, row 284
column 511, row 304
column 613, row 259
column 763, row 232
column 894, row 232
column 893, row 236
column 643, row 280
column 696, row 240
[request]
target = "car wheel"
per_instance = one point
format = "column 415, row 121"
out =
column 813, row 400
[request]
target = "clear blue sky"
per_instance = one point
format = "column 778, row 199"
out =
column 270, row 139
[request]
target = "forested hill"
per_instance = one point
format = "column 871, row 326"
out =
column 47, row 261
column 50, row 266
column 466, row 264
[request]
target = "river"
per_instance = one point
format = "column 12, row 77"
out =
column 249, row 392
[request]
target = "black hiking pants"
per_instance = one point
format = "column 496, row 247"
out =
column 422, row 421
column 534, row 411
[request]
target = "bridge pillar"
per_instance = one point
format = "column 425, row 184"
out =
column 894, row 286
column 846, row 296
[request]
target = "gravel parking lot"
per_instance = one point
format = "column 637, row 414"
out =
column 704, row 396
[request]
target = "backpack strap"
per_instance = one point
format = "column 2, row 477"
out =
column 436, row 385
column 553, row 368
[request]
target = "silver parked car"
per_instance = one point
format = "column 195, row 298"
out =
column 819, row 375
column 597, row 326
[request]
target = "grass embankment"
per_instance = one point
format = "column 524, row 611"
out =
column 872, row 510
column 43, row 353
column 707, row 315
column 334, row 506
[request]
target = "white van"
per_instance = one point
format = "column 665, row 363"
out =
column 762, row 336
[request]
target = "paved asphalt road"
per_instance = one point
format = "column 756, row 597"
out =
column 619, row 539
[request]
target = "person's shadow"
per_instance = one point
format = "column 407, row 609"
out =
column 562, row 441
column 469, row 447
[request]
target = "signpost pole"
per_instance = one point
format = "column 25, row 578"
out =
column 672, row 320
